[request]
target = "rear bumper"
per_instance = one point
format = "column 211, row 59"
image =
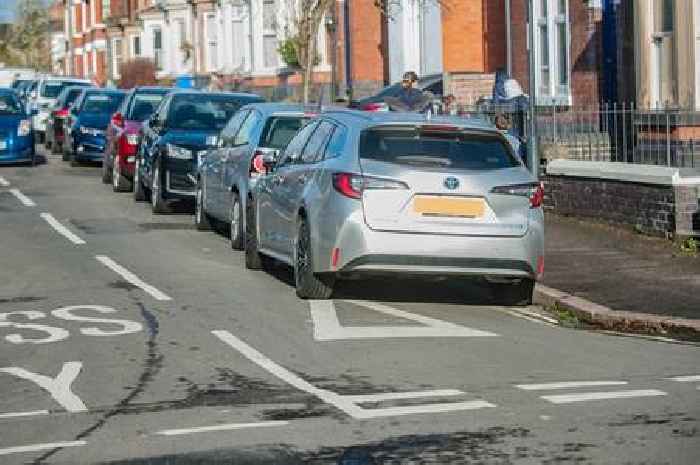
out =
column 363, row 250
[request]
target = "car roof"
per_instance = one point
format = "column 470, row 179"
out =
column 65, row 79
column 100, row 90
column 222, row 94
column 366, row 119
column 152, row 89
column 269, row 108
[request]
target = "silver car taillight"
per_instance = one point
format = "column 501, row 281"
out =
column 352, row 185
column 533, row 191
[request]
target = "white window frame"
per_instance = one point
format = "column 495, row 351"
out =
column 268, row 33
column 211, row 37
column 158, row 58
column 552, row 92
column 117, row 44
column 132, row 45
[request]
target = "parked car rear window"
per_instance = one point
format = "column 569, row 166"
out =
column 101, row 103
column 51, row 89
column 144, row 105
column 279, row 130
column 9, row 105
column 203, row 112
column 436, row 149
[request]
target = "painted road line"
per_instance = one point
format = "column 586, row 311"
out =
column 327, row 327
column 26, row 201
column 223, row 427
column 382, row 397
column 347, row 404
column 685, row 379
column 587, row 396
column 539, row 316
column 40, row 447
column 24, row 414
column 4, row 182
column 567, row 385
column 132, row 278
column 62, row 230
column 528, row 318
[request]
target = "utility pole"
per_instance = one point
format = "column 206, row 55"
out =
column 532, row 153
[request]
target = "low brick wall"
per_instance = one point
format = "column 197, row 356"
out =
column 648, row 208
column 652, row 200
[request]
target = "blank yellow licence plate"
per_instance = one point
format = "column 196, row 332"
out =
column 448, row 206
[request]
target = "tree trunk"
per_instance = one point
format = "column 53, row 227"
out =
column 309, row 68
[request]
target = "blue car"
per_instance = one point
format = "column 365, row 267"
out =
column 16, row 133
column 174, row 140
column 90, row 116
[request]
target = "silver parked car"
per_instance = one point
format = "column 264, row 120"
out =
column 390, row 193
column 256, row 131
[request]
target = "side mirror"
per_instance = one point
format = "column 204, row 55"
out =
column 270, row 156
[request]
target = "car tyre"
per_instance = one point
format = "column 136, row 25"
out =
column 139, row 191
column 106, row 173
column 74, row 161
column 158, row 203
column 202, row 221
column 236, row 217
column 309, row 285
column 119, row 182
column 517, row 294
column 253, row 259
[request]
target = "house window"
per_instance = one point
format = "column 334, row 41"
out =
column 117, row 57
column 158, row 48
column 105, row 9
column 135, row 46
column 211, row 41
column 181, row 36
column 663, row 76
column 270, row 54
column 552, row 52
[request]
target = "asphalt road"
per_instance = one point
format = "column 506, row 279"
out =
column 131, row 338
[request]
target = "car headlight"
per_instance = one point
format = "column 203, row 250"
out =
column 90, row 131
column 24, row 128
column 132, row 139
column 180, row 153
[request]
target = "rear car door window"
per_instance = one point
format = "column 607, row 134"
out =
column 293, row 151
column 232, row 127
column 314, row 148
column 279, row 130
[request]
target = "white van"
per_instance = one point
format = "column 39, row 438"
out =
column 44, row 97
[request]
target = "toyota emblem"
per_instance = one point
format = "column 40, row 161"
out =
column 451, row 183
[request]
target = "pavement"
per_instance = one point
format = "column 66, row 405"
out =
column 131, row 338
column 618, row 279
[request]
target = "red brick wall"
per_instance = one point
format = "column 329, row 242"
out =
column 494, row 35
column 101, row 71
column 367, row 59
column 585, row 54
column 463, row 36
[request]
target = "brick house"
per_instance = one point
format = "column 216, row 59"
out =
column 123, row 34
column 85, row 30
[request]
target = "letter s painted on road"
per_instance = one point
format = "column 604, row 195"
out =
column 127, row 326
column 55, row 334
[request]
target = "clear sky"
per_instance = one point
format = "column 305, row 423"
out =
column 7, row 10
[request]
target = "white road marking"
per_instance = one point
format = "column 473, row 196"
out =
column 327, row 326
column 62, row 230
column 536, row 315
column 586, row 396
column 24, row 414
column 363, row 399
column 567, row 385
column 528, row 318
column 58, row 387
column 132, row 278
column 685, row 379
column 347, row 404
column 26, row 201
column 224, row 427
column 40, row 447
column 4, row 182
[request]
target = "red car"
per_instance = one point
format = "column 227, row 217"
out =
column 124, row 132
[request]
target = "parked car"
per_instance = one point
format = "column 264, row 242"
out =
column 257, row 131
column 185, row 125
column 431, row 83
column 43, row 98
column 123, row 134
column 16, row 134
column 89, row 116
column 359, row 193
column 59, row 113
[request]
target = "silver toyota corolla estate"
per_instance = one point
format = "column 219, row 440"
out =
column 358, row 193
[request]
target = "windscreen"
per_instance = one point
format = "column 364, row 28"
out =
column 51, row 89
column 101, row 103
column 279, row 130
column 144, row 105
column 203, row 112
column 9, row 105
column 439, row 149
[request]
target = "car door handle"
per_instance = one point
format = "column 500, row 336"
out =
column 277, row 180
